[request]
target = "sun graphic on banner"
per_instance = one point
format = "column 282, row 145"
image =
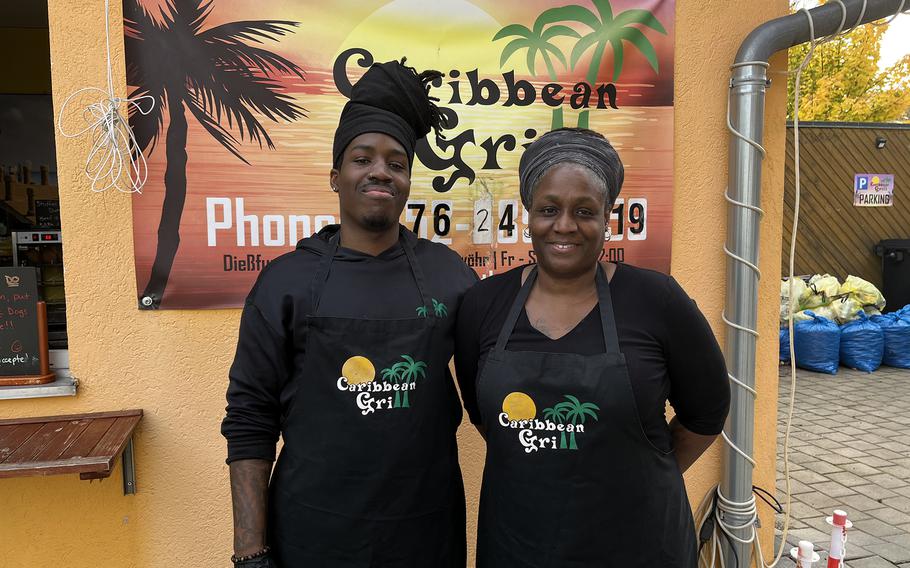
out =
column 519, row 406
column 443, row 35
column 358, row 369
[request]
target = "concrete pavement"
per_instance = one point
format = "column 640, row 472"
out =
column 849, row 449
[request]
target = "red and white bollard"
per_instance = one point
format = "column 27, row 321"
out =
column 804, row 554
column 837, row 551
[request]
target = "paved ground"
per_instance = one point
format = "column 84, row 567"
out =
column 850, row 449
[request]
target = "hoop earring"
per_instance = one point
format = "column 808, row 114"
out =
column 608, row 234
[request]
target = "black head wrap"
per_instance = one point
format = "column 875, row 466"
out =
column 392, row 99
column 575, row 145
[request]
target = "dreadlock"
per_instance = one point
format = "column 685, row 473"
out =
column 426, row 78
column 394, row 99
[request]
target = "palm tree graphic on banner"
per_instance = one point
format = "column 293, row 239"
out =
column 226, row 83
column 537, row 41
column 604, row 29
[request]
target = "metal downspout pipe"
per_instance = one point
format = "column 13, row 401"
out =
column 746, row 114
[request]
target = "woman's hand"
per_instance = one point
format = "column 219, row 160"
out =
column 687, row 445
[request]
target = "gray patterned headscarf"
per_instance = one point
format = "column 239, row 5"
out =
column 580, row 146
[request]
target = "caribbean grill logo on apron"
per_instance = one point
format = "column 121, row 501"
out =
column 561, row 422
column 391, row 391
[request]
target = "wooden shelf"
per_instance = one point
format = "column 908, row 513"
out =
column 86, row 444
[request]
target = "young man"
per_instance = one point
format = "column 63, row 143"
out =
column 343, row 349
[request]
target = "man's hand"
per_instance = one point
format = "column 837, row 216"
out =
column 250, row 494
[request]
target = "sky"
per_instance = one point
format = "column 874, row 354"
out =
column 896, row 42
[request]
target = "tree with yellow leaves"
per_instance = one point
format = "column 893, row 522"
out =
column 843, row 83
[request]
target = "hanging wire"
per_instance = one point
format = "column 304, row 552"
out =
column 115, row 152
column 900, row 11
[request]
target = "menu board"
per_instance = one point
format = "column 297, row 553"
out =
column 19, row 346
column 47, row 213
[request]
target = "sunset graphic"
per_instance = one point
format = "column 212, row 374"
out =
column 358, row 369
column 244, row 203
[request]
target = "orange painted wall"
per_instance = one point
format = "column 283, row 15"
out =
column 173, row 364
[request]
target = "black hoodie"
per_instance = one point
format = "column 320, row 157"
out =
column 264, row 376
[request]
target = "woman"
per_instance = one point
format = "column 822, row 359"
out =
column 566, row 367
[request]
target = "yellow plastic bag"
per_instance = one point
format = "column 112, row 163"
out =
column 812, row 301
column 799, row 289
column 828, row 311
column 846, row 309
column 863, row 292
column 825, row 285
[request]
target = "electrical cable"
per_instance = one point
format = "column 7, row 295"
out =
column 113, row 142
column 767, row 497
column 711, row 519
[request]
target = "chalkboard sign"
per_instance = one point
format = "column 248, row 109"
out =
column 20, row 351
column 47, row 213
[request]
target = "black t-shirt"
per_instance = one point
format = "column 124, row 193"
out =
column 271, row 343
column 670, row 350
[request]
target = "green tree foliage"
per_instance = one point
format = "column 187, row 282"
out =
column 843, row 83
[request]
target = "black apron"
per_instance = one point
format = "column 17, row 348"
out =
column 571, row 480
column 368, row 475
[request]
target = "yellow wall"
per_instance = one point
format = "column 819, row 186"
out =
column 704, row 50
column 173, row 364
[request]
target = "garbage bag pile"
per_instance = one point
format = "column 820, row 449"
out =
column 842, row 324
column 828, row 298
column 896, row 330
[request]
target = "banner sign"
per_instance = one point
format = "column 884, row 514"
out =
column 873, row 190
column 248, row 95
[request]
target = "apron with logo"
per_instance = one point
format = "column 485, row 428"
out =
column 571, row 480
column 368, row 475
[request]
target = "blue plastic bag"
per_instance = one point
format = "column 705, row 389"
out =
column 784, row 345
column 896, row 330
column 862, row 344
column 816, row 344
